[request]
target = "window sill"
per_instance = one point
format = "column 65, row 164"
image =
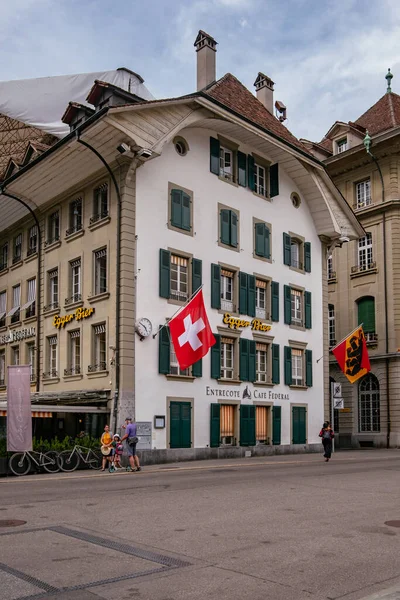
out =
column 263, row 384
column 228, row 247
column 362, row 273
column 263, row 258
column 180, row 229
column 51, row 380
column 74, row 236
column 94, row 374
column 98, row 297
column 30, row 319
column 31, row 257
column 176, row 302
column 297, row 327
column 227, row 180
column 100, row 223
column 262, row 196
column 72, row 377
column 298, row 387
column 52, row 312
column 4, row 271
column 74, row 305
column 297, row 270
column 180, row 378
column 53, row 246
column 15, row 325
column 16, row 265
column 333, row 280
column 232, row 381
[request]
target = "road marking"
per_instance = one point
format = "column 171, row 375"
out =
column 67, row 477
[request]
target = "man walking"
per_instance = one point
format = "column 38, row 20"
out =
column 131, row 441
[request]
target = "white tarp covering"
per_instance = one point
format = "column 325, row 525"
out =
column 41, row 102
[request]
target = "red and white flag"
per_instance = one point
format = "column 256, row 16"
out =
column 191, row 333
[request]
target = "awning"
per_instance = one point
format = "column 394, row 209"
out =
column 35, row 413
column 47, row 411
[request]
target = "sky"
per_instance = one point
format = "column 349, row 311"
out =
column 328, row 59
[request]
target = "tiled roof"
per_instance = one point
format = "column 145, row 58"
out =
column 235, row 96
column 383, row 115
column 326, row 143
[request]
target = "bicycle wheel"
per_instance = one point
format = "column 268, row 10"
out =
column 51, row 461
column 95, row 459
column 20, row 463
column 69, row 460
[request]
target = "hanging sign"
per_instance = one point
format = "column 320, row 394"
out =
column 78, row 315
column 235, row 323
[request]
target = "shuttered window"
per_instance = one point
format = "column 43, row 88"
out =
column 247, row 360
column 227, row 417
column 174, row 276
column 366, row 314
column 180, row 210
column 297, row 367
column 261, row 363
column 227, row 358
column 262, row 240
column 229, row 227
column 262, row 425
column 227, row 290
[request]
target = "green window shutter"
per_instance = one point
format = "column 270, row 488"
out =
column 275, row 364
column 250, row 172
column 165, row 262
column 267, row 242
column 215, row 286
column 175, row 425
column 216, row 358
column 307, row 257
column 287, row 295
column 215, row 411
column 186, row 425
column 244, row 360
column 366, row 314
column 225, row 222
column 287, row 252
column 186, row 224
column 164, row 351
column 307, row 310
column 309, row 373
column 252, row 360
column 274, row 180
column 196, row 274
column 276, row 425
column 234, row 229
column 243, row 293
column 288, row 365
column 241, row 158
column 275, row 301
column 247, row 425
column 176, row 208
column 259, row 234
column 299, row 427
column 197, row 368
column 214, row 156
column 251, row 295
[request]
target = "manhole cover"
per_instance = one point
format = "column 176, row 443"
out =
column 393, row 523
column 11, row 522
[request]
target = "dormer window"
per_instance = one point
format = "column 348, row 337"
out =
column 342, row 145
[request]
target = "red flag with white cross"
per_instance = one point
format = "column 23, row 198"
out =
column 191, row 333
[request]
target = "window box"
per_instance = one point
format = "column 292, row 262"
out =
column 72, row 371
column 363, row 269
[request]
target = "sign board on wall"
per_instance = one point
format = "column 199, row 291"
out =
column 246, row 392
column 143, row 432
column 235, row 323
column 17, row 335
column 78, row 315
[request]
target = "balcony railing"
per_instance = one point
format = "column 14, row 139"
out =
column 74, row 298
column 73, row 229
column 52, row 240
column 16, row 317
column 51, row 306
column 72, row 371
column 50, row 374
column 98, row 217
column 97, row 367
column 31, row 251
column 371, row 339
column 365, row 267
column 16, row 258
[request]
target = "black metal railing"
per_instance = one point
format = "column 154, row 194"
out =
column 368, row 266
column 332, row 276
column 98, row 217
column 16, row 258
column 73, row 229
column 16, row 317
column 52, row 240
column 51, row 306
column 30, row 311
column 32, row 251
column 97, row 367
column 371, row 338
column 50, row 374
column 72, row 371
column 74, row 298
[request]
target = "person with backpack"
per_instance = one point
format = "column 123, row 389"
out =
column 131, row 441
column 327, row 436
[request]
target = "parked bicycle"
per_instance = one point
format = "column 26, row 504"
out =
column 21, row 463
column 71, row 459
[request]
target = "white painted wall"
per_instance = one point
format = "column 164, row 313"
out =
column 192, row 171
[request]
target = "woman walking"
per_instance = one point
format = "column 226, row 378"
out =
column 327, row 436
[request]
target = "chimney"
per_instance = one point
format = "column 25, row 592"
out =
column 206, row 49
column 265, row 91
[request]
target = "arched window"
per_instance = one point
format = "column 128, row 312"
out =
column 366, row 313
column 369, row 404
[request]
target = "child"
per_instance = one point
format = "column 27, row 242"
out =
column 118, row 449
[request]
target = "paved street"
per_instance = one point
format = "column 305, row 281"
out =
column 279, row 528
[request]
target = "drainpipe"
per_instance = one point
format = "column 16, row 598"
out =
column 39, row 273
column 118, row 286
column 367, row 144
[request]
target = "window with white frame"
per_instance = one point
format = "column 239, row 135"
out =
column 2, row 367
column 100, row 203
column 260, row 182
column 3, row 308
column 52, row 344
column 17, row 254
column 369, row 404
column 53, row 227
column 329, row 267
column 32, row 240
column 297, row 367
column 179, row 278
column 53, row 289
column 30, row 304
column 331, row 325
column 4, row 257
column 227, row 358
column 174, row 365
column 75, row 216
column 100, row 271
column 31, row 359
column 296, row 306
column 296, row 254
column 74, row 358
column 227, row 290
column 261, row 299
column 226, row 168
column 16, row 307
column 341, row 145
column 365, row 252
column 363, row 193
column 15, row 355
column 99, row 348
column 75, row 281
column 261, row 363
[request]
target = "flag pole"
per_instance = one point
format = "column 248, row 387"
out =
column 179, row 310
column 346, row 336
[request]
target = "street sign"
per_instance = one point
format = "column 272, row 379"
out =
column 338, row 403
column 336, row 390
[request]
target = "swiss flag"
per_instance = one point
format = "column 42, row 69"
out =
column 191, row 333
